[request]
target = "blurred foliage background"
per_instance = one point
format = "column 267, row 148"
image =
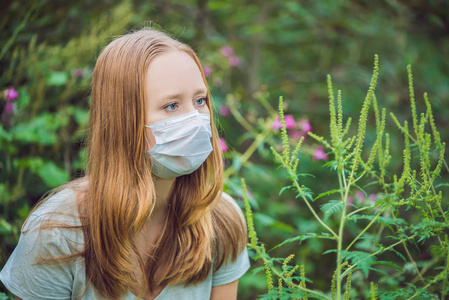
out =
column 251, row 50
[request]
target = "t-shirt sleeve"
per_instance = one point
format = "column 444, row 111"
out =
column 231, row 271
column 28, row 280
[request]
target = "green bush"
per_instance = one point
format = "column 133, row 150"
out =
column 407, row 211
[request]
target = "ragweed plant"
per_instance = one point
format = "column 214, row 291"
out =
column 386, row 224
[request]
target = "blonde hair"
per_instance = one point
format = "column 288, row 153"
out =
column 117, row 195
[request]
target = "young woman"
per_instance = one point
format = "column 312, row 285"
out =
column 149, row 219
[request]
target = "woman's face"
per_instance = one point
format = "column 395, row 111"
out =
column 174, row 86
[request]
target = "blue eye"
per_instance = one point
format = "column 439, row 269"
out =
column 171, row 107
column 201, row 101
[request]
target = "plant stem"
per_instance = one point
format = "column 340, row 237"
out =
column 295, row 182
column 238, row 116
column 360, row 209
column 299, row 287
column 377, row 252
column 365, row 229
column 250, row 151
column 343, row 187
column 442, row 274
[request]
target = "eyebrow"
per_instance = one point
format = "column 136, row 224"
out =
column 176, row 95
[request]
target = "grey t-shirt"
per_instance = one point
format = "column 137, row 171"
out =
column 68, row 280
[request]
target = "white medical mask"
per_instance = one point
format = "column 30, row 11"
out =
column 182, row 144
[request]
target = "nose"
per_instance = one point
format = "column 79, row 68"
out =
column 191, row 108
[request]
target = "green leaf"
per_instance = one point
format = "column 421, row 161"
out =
column 57, row 78
column 236, row 162
column 41, row 130
column 301, row 238
column 24, row 211
column 442, row 184
column 363, row 260
column 331, row 192
column 330, row 208
column 52, row 175
column 24, row 98
column 5, row 227
column 5, row 137
column 285, row 188
column 386, row 221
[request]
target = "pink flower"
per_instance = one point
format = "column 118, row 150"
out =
column 224, row 110
column 277, row 124
column 360, row 195
column 78, row 73
column 227, row 51
column 372, row 199
column 295, row 134
column 207, row 71
column 11, row 94
column 319, row 154
column 289, row 122
column 349, row 201
column 223, row 145
column 305, row 125
column 234, row 61
column 8, row 110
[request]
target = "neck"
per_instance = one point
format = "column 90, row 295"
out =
column 163, row 188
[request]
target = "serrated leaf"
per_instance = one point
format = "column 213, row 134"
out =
column 285, row 188
column 299, row 238
column 330, row 208
column 331, row 192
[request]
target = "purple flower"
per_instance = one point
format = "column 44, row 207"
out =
column 8, row 108
column 319, row 154
column 227, row 51
column 373, row 196
column 207, row 71
column 78, row 73
column 223, row 145
column 224, row 110
column 11, row 94
column 305, row 125
column 234, row 61
column 289, row 122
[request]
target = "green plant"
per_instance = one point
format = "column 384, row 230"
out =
column 386, row 225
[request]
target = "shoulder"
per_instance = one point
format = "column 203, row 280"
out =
column 229, row 200
column 54, row 227
column 226, row 197
column 59, row 208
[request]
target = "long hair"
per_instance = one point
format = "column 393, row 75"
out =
column 118, row 194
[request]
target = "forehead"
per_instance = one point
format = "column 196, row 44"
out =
column 174, row 71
